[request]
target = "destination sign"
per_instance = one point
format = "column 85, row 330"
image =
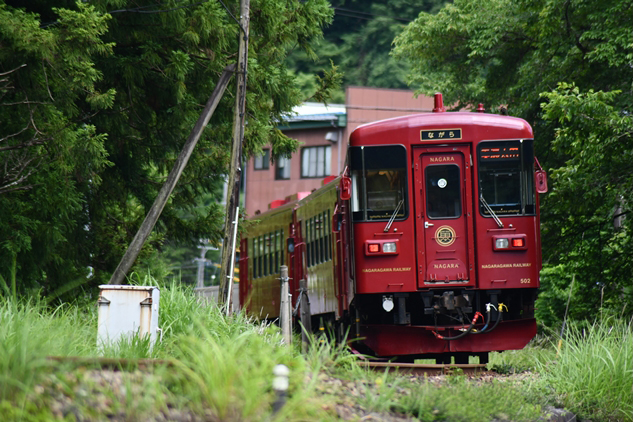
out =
column 507, row 153
column 440, row 134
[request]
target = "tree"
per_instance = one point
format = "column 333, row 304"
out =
column 50, row 153
column 150, row 80
column 359, row 43
column 587, row 223
column 517, row 54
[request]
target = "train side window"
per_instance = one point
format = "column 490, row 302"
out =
column 277, row 250
column 271, row 253
column 306, row 240
column 313, row 240
column 379, row 182
column 307, row 243
column 321, row 231
column 328, row 235
column 265, row 255
column 260, row 250
column 253, row 257
column 280, row 248
column 259, row 256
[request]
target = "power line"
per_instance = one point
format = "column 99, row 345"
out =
column 143, row 10
column 356, row 14
column 139, row 9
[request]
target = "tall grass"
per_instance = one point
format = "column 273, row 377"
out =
column 29, row 332
column 222, row 367
column 593, row 372
column 224, row 364
column 461, row 400
column 527, row 359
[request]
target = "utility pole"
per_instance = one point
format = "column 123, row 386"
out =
column 202, row 263
column 235, row 170
column 159, row 203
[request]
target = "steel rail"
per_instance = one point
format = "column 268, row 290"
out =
column 429, row 369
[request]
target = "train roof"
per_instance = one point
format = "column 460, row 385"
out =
column 290, row 202
column 472, row 126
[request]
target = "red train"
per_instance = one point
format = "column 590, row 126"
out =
column 428, row 246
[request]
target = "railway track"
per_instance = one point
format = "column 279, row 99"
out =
column 428, row 369
column 404, row 368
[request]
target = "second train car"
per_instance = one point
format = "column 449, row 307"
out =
column 428, row 246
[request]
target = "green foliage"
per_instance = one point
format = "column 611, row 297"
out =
column 576, row 56
column 221, row 368
column 593, row 191
column 459, row 400
column 50, row 152
column 96, row 107
column 359, row 43
column 526, row 359
column 592, row 374
column 29, row 332
column 508, row 52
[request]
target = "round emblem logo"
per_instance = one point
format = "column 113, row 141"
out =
column 442, row 183
column 445, row 236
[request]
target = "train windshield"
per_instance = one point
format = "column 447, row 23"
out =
column 506, row 177
column 378, row 182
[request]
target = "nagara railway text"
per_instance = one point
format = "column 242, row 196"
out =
column 427, row 246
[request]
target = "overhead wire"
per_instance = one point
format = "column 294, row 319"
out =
column 138, row 9
column 355, row 14
column 143, row 10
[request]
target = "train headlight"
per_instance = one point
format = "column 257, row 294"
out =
column 513, row 242
column 389, row 247
column 387, row 303
column 502, row 243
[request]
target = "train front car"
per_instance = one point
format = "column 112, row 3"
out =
column 446, row 236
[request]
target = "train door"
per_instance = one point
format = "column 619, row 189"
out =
column 443, row 184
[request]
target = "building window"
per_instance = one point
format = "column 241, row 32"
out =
column 315, row 161
column 282, row 170
column 262, row 161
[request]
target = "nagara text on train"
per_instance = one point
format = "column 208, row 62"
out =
column 427, row 246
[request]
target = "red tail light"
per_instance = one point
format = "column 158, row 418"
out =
column 518, row 243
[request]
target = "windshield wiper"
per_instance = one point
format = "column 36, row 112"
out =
column 393, row 216
column 487, row 207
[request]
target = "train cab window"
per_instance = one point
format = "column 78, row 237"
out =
column 506, row 177
column 379, row 183
column 443, row 191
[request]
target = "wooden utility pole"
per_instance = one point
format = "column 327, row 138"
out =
column 159, row 203
column 235, row 170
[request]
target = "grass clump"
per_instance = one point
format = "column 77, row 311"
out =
column 461, row 400
column 30, row 332
column 592, row 374
column 527, row 359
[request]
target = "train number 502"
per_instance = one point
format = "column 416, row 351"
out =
column 525, row 281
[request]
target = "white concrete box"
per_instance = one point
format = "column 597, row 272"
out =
column 127, row 311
